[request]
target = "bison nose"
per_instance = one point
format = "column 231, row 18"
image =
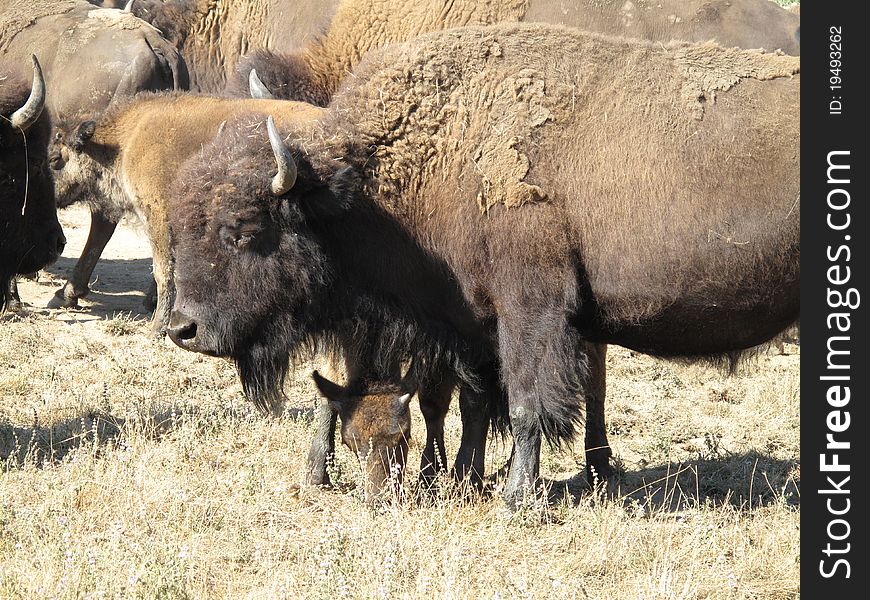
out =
column 182, row 329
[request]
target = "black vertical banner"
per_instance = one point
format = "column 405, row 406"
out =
column 835, row 369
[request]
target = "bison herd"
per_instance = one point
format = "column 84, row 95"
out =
column 481, row 195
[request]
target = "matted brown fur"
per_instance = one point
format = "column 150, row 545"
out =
column 432, row 132
column 315, row 73
column 664, row 223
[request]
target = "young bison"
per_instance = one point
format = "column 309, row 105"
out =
column 375, row 426
column 515, row 190
column 30, row 235
column 126, row 161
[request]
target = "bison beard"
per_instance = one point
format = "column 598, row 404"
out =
column 480, row 201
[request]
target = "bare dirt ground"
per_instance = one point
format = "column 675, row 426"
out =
column 131, row 468
column 119, row 282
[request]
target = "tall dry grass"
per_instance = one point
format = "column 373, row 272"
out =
column 132, row 469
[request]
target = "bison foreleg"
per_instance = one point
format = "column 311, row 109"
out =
column 76, row 286
column 434, row 404
column 13, row 299
column 323, row 445
column 598, row 453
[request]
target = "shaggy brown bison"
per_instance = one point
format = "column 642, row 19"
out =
column 315, row 73
column 213, row 34
column 92, row 57
column 521, row 187
column 30, row 235
column 113, row 161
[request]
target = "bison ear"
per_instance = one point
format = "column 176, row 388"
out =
column 334, row 393
column 83, row 134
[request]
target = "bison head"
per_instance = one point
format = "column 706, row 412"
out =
column 80, row 173
column 375, row 426
column 249, row 263
column 30, row 235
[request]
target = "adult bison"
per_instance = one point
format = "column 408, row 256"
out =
column 92, row 57
column 213, row 34
column 315, row 73
column 522, row 187
column 30, row 235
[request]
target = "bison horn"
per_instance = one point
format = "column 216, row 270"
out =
column 286, row 176
column 258, row 90
column 128, row 8
column 27, row 115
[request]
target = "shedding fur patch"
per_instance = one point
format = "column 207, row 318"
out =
column 17, row 15
column 708, row 68
column 518, row 104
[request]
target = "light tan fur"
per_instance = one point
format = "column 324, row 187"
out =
column 223, row 30
column 361, row 25
column 138, row 147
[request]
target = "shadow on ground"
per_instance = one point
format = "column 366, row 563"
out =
column 749, row 480
column 41, row 444
column 117, row 286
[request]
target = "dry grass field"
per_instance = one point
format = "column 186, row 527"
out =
column 133, row 469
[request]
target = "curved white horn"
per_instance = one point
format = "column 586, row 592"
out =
column 404, row 400
column 128, row 8
column 257, row 88
column 286, row 176
column 27, row 115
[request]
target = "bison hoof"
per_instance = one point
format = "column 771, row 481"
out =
column 60, row 300
column 158, row 329
column 602, row 480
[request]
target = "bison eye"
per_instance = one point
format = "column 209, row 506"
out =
column 244, row 240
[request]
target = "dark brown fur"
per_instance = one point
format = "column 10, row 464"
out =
column 518, row 190
column 29, row 229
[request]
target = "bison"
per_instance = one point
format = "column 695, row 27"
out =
column 113, row 159
column 30, row 235
column 375, row 426
column 212, row 35
column 314, row 73
column 92, row 57
column 526, row 188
